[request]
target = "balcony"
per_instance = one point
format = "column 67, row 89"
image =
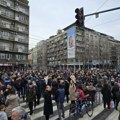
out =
column 20, row 50
column 4, row 14
column 5, row 48
column 21, row 20
column 21, row 30
column 11, row 38
column 24, row 11
column 3, row 3
column 7, row 26
column 7, row 4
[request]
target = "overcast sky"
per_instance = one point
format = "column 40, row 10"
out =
column 47, row 16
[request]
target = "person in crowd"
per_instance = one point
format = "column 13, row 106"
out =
column 47, row 81
column 12, row 101
column 54, row 88
column 2, row 86
column 106, row 92
column 18, row 113
column 91, row 90
column 66, row 85
column 98, row 92
column 3, row 115
column 8, row 89
column 48, row 106
column 18, row 86
column 80, row 96
column 24, row 83
column 72, row 89
column 117, row 102
column 114, row 91
column 80, row 93
column 2, row 97
column 59, row 98
column 7, row 81
column 38, row 90
column 35, row 88
column 31, row 94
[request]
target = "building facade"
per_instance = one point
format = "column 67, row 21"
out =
column 14, row 33
column 82, row 48
column 42, row 55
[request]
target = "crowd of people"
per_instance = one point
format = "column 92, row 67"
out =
column 57, row 85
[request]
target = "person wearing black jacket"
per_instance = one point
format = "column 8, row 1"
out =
column 48, row 106
column 106, row 92
column 117, row 101
column 115, row 89
column 38, row 90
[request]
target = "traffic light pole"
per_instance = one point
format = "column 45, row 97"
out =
column 97, row 13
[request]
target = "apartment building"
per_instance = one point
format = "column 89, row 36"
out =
column 41, row 55
column 14, row 32
column 76, row 48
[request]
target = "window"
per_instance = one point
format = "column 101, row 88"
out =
column 6, row 56
column 20, row 57
column 21, row 38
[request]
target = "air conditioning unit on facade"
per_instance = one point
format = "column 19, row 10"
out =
column 20, row 50
column 7, row 48
column 17, row 18
column 8, row 4
column 7, row 26
column 20, row 29
column 16, row 39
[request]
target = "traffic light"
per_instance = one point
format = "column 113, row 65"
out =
column 80, row 17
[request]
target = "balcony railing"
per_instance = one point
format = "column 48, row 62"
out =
column 4, row 48
column 12, row 17
column 18, row 9
column 6, row 26
column 10, row 49
column 6, row 15
column 20, row 50
column 3, row 2
column 20, row 30
column 22, row 21
column 11, row 38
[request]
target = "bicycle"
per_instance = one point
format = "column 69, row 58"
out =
column 77, row 110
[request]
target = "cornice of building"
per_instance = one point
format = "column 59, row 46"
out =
column 85, row 28
column 56, row 36
column 23, row 2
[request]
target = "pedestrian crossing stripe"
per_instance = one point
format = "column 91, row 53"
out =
column 38, row 112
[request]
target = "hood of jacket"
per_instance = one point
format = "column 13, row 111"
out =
column 91, row 88
column 12, row 97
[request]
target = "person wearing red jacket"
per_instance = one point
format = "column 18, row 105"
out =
column 80, row 96
column 80, row 93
